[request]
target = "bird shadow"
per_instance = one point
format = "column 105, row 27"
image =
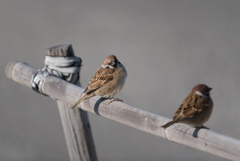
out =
column 97, row 104
column 195, row 133
column 197, row 129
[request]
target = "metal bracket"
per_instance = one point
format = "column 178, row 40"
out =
column 37, row 80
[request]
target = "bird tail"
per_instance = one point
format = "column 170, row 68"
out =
column 169, row 124
column 79, row 101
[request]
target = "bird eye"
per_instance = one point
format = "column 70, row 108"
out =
column 114, row 64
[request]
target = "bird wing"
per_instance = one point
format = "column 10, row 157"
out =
column 101, row 77
column 192, row 105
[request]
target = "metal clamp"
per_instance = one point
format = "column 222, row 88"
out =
column 37, row 80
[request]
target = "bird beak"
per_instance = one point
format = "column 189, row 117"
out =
column 210, row 89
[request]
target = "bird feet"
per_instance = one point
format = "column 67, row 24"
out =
column 115, row 99
column 202, row 127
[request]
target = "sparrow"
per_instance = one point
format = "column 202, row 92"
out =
column 107, row 81
column 196, row 109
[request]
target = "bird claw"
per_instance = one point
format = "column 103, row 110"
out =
column 115, row 99
column 202, row 127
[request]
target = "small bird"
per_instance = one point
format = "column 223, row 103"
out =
column 196, row 109
column 107, row 81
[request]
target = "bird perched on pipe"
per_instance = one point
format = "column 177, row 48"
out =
column 107, row 81
column 196, row 109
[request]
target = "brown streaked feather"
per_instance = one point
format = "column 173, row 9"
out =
column 101, row 77
column 169, row 124
column 184, row 105
column 196, row 109
column 107, row 81
column 192, row 105
column 177, row 112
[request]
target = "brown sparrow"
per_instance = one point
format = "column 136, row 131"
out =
column 107, row 81
column 196, row 109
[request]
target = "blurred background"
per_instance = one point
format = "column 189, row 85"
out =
column 167, row 46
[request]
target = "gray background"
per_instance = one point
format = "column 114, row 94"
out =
column 167, row 46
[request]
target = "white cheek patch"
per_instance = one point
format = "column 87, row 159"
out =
column 104, row 66
column 199, row 93
column 107, row 66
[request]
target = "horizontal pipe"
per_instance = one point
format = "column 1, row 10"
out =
column 201, row 139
